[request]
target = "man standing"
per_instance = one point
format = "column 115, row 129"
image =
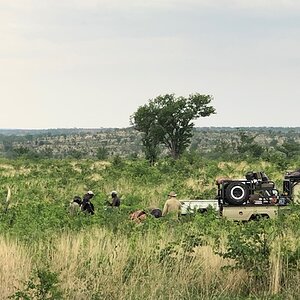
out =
column 87, row 205
column 172, row 206
column 115, row 202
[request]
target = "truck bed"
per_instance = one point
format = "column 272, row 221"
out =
column 189, row 205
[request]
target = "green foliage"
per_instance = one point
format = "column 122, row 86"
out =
column 213, row 143
column 102, row 153
column 117, row 161
column 43, row 285
column 167, row 120
column 75, row 154
column 250, row 247
column 290, row 148
column 278, row 158
column 42, row 189
column 247, row 147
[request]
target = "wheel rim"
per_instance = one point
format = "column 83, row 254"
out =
column 237, row 193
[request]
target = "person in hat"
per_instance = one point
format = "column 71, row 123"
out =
column 87, row 205
column 172, row 206
column 115, row 200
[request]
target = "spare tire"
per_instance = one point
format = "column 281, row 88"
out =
column 236, row 193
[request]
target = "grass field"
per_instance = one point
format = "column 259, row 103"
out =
column 47, row 254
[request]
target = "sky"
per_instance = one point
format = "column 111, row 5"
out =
column 92, row 63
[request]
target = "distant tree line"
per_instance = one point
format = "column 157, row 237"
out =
column 232, row 144
column 163, row 127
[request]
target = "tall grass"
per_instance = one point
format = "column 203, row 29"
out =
column 96, row 264
column 99, row 265
column 15, row 266
column 109, row 257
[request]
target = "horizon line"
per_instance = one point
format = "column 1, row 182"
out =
column 128, row 127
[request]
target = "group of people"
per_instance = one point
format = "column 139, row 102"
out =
column 85, row 204
column 172, row 206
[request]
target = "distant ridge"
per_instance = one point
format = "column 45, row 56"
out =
column 54, row 131
column 99, row 142
column 59, row 131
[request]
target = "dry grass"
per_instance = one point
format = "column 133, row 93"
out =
column 276, row 268
column 8, row 170
column 15, row 266
column 76, row 167
column 149, row 197
column 95, row 177
column 100, row 165
column 99, row 264
column 112, row 268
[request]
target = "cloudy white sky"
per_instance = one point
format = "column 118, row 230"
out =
column 92, row 63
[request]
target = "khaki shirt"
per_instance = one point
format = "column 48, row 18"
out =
column 172, row 205
column 74, row 208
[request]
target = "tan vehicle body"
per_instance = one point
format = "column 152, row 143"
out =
column 248, row 199
column 250, row 212
column 236, row 213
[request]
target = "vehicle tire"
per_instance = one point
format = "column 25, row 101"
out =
column 236, row 193
column 259, row 217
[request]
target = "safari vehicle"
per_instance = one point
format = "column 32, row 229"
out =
column 247, row 199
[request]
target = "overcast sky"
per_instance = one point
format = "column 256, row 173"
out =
column 92, row 63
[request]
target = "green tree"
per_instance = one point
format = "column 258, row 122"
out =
column 21, row 151
column 75, row 154
column 102, row 153
column 290, row 148
column 167, row 120
column 143, row 120
column 247, row 145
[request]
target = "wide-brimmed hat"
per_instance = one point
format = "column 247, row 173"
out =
column 172, row 194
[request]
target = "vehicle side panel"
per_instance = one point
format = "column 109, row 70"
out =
column 247, row 212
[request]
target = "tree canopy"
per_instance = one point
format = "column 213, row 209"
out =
column 167, row 120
